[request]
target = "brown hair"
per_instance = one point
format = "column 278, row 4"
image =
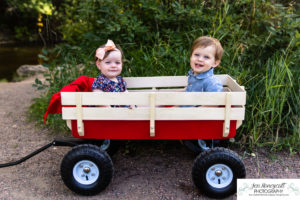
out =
column 206, row 41
column 108, row 52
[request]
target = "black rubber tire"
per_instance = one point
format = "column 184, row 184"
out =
column 211, row 157
column 193, row 145
column 91, row 153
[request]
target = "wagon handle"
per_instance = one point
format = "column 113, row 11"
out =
column 53, row 143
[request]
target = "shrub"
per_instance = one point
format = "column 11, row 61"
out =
column 260, row 38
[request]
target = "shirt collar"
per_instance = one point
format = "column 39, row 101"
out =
column 202, row 75
column 108, row 80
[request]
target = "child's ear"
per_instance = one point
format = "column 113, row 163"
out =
column 217, row 62
column 98, row 64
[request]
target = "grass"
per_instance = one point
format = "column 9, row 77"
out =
column 269, row 112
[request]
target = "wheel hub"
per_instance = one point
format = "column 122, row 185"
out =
column 219, row 175
column 86, row 172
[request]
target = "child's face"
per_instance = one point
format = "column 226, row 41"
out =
column 203, row 58
column 111, row 66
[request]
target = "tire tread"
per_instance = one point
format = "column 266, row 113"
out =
column 95, row 154
column 207, row 158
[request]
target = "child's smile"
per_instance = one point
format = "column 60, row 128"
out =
column 111, row 66
column 203, row 59
column 199, row 65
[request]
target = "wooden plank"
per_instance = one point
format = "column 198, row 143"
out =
column 198, row 98
column 107, row 98
column 69, row 124
column 223, row 78
column 143, row 113
column 231, row 83
column 152, row 114
column 225, row 89
column 157, row 90
column 162, row 98
column 175, row 81
column 239, row 123
column 78, row 114
column 227, row 113
column 156, row 81
column 164, row 81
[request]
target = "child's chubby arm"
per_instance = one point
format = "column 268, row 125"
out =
column 97, row 90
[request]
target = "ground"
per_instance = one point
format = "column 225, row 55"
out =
column 151, row 170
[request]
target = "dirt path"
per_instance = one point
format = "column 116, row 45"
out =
column 153, row 169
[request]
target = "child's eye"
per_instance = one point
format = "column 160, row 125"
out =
column 118, row 63
column 107, row 62
column 196, row 54
column 206, row 57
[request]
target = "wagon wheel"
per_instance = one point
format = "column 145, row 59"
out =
column 198, row 146
column 215, row 172
column 86, row 169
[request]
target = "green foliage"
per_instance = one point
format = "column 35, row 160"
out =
column 29, row 20
column 54, row 122
column 271, row 116
column 22, row 32
column 260, row 38
column 37, row 6
column 41, row 6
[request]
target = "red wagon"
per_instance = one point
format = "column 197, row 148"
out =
column 201, row 119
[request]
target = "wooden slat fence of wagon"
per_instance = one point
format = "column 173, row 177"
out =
column 175, row 113
column 161, row 98
column 175, row 81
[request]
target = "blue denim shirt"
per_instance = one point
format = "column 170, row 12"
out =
column 204, row 82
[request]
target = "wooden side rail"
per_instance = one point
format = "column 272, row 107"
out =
column 162, row 98
column 227, row 106
column 143, row 113
column 176, row 81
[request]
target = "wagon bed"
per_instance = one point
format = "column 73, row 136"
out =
column 160, row 111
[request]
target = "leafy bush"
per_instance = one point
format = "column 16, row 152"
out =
column 260, row 38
